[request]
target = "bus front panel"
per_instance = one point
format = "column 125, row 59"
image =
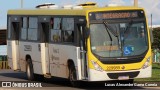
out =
column 118, row 46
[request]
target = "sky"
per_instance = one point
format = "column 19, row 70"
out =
column 150, row 6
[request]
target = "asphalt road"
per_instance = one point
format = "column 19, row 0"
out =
column 54, row 83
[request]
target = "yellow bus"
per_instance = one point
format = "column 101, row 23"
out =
column 81, row 43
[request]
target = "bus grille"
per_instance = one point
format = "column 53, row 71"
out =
column 116, row 75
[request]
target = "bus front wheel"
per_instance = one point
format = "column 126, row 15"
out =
column 73, row 77
column 29, row 71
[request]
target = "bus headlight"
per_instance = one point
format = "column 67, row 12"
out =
column 96, row 66
column 147, row 63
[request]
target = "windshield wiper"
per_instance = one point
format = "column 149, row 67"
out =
column 108, row 28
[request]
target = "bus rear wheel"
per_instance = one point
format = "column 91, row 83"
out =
column 73, row 77
column 29, row 71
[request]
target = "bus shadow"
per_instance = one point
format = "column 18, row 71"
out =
column 16, row 75
column 54, row 82
column 61, row 82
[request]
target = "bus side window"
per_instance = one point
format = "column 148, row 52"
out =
column 55, row 30
column 68, row 29
column 24, row 28
column 33, row 28
column 68, row 36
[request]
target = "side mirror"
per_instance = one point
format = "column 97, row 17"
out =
column 151, row 35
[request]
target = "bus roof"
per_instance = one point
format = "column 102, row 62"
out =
column 68, row 11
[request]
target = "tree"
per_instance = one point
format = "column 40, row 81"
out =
column 156, row 36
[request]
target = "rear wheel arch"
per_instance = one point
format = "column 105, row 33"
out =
column 28, row 57
column 73, row 73
column 70, row 63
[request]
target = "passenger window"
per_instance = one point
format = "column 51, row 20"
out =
column 68, row 36
column 68, row 29
column 56, row 30
column 57, row 23
column 56, row 35
column 68, row 24
column 62, row 30
column 33, row 28
column 24, row 28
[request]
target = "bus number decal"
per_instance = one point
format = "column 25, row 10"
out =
column 27, row 48
column 113, row 68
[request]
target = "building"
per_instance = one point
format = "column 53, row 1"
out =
column 3, row 37
column 155, row 26
column 3, row 47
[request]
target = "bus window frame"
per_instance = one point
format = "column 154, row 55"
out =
column 75, row 43
column 52, row 28
column 64, row 30
column 22, row 28
column 38, row 31
column 76, row 21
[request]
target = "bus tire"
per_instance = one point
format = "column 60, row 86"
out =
column 29, row 70
column 73, row 77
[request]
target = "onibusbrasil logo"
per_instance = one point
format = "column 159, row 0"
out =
column 21, row 84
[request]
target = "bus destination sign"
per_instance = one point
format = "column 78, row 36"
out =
column 116, row 15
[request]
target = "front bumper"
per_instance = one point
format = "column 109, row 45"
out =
column 114, row 75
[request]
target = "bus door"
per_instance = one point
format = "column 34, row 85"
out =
column 44, row 26
column 82, row 44
column 15, row 29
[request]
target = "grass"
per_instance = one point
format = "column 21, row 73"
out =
column 155, row 74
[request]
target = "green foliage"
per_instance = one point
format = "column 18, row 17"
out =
column 155, row 74
column 156, row 36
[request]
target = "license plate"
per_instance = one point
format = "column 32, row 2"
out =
column 123, row 77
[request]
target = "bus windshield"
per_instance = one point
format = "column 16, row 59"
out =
column 119, row 39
